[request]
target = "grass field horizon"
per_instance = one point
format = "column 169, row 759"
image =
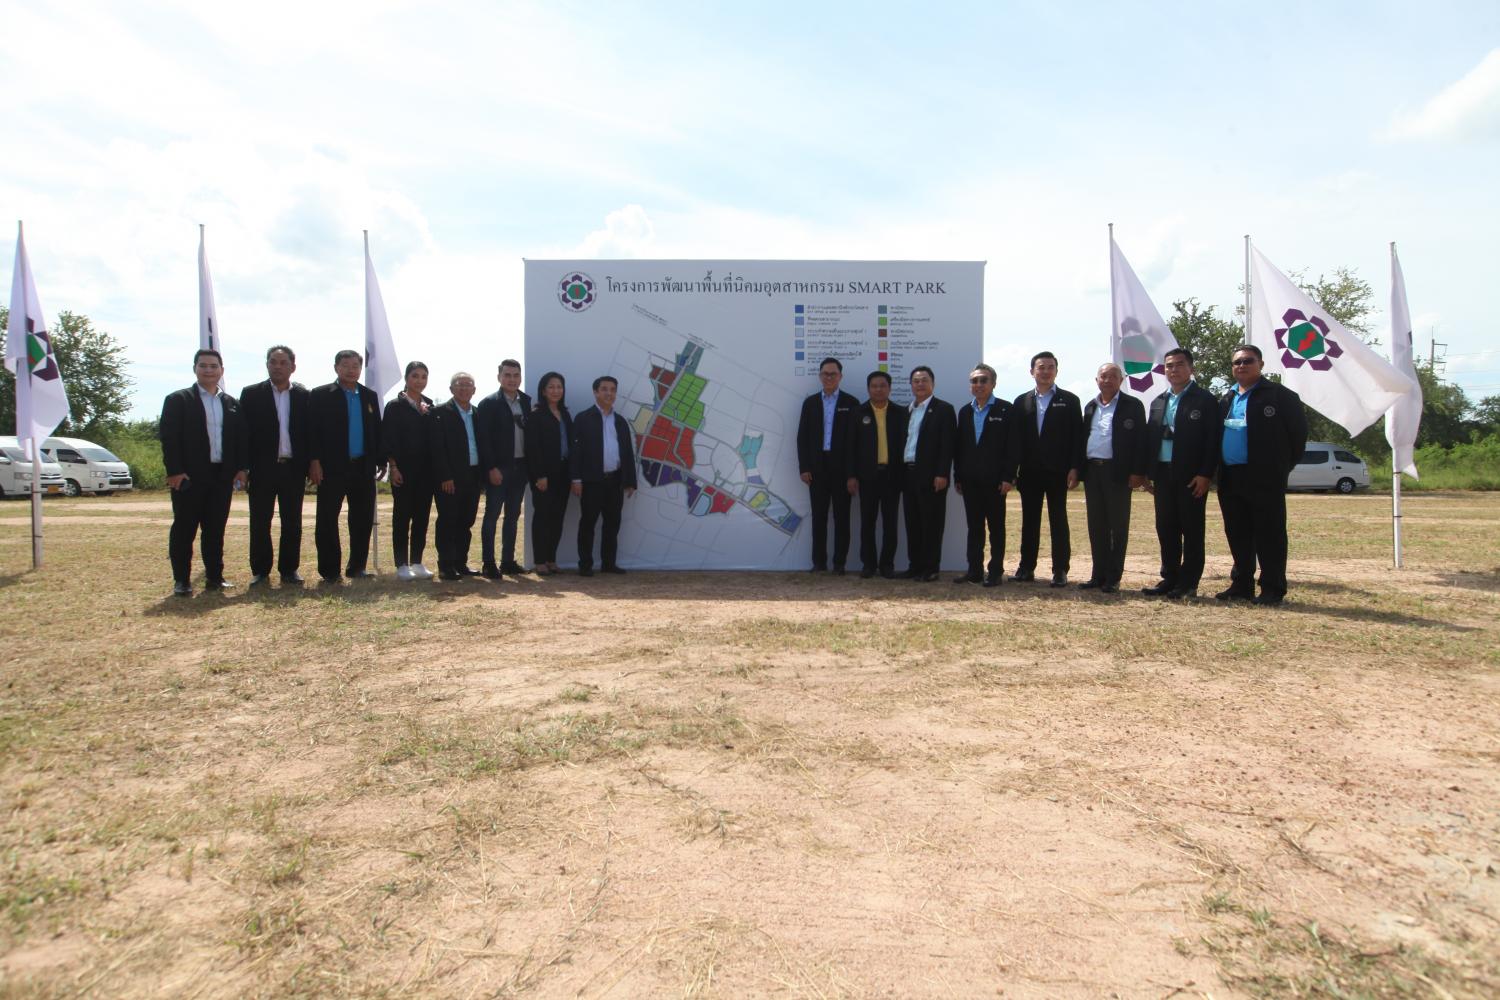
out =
column 731, row 784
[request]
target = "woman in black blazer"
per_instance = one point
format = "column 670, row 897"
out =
column 404, row 432
column 547, row 435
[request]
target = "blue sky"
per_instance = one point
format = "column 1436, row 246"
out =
column 468, row 136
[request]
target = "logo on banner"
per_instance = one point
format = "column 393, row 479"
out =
column 1305, row 341
column 1138, row 355
column 39, row 356
column 576, row 291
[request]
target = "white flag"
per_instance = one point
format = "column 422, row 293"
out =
column 208, row 316
column 41, row 399
column 1402, row 419
column 382, row 370
column 1139, row 337
column 1330, row 368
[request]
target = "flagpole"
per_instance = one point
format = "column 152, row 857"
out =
column 1395, row 476
column 23, row 370
column 1112, row 307
column 1247, row 289
column 375, row 517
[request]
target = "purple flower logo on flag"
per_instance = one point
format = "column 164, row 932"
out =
column 576, row 291
column 39, row 356
column 1305, row 341
column 1138, row 355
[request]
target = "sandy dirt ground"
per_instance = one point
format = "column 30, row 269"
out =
column 719, row 784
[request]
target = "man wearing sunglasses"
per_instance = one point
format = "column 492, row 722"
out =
column 1184, row 455
column 1264, row 433
column 984, row 470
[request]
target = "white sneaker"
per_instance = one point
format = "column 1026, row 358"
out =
column 404, row 573
column 420, row 572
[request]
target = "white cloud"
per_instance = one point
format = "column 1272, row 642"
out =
column 1467, row 108
column 627, row 232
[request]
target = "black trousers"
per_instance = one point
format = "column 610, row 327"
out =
column 1035, row 486
column 548, row 507
column 503, row 499
column 1107, row 501
column 829, row 489
column 1179, row 529
column 984, row 509
column 605, row 498
column 354, row 482
column 455, row 520
column 879, row 497
column 411, row 510
column 279, row 486
column 1255, row 527
column 926, row 513
column 200, row 506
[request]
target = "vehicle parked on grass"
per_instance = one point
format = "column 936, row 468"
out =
column 88, row 467
column 15, row 471
column 1328, row 467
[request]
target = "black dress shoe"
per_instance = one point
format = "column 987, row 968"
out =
column 994, row 580
column 1110, row 588
column 219, row 584
column 260, row 579
column 1268, row 600
column 1163, row 589
column 818, row 569
column 328, row 580
column 358, row 574
column 585, row 571
column 1060, row 580
column 912, row 574
column 616, row 570
column 838, row 571
column 512, row 569
column 182, row 588
column 1089, row 585
column 467, row 571
column 491, row 571
column 292, row 579
column 1233, row 594
column 969, row 578
column 1022, row 577
column 1183, row 594
column 449, row 575
column 889, row 573
column 929, row 577
column 866, row 573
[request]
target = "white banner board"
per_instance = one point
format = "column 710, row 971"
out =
column 714, row 359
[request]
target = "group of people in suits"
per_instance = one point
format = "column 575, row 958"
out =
column 279, row 436
column 1042, row 445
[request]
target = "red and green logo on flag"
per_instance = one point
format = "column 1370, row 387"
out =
column 1305, row 341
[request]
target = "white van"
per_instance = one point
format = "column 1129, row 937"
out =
column 88, row 467
column 15, row 471
column 1327, row 467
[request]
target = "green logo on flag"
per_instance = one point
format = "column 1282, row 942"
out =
column 1137, row 354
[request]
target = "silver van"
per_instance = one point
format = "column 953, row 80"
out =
column 15, row 471
column 1328, row 467
column 88, row 467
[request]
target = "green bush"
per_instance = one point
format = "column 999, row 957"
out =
column 1471, row 466
column 137, row 445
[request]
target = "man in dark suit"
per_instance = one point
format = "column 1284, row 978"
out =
column 276, row 417
column 602, row 459
column 1183, row 452
column 1264, row 434
column 876, row 436
column 1051, row 422
column 928, row 458
column 503, row 414
column 203, row 446
column 984, row 470
column 823, row 459
column 344, row 452
column 458, row 442
column 1111, row 463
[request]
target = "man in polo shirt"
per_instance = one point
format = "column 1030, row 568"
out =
column 1184, row 453
column 344, row 445
column 1264, row 434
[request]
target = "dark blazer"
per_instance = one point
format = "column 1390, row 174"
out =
column 406, row 437
column 863, row 447
column 329, row 436
column 810, row 433
column 1195, row 434
column 258, row 403
column 1055, row 449
column 586, row 453
column 184, row 436
column 500, row 429
column 1277, row 427
column 934, row 444
column 450, row 441
column 1128, row 436
column 544, row 437
column 992, row 459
